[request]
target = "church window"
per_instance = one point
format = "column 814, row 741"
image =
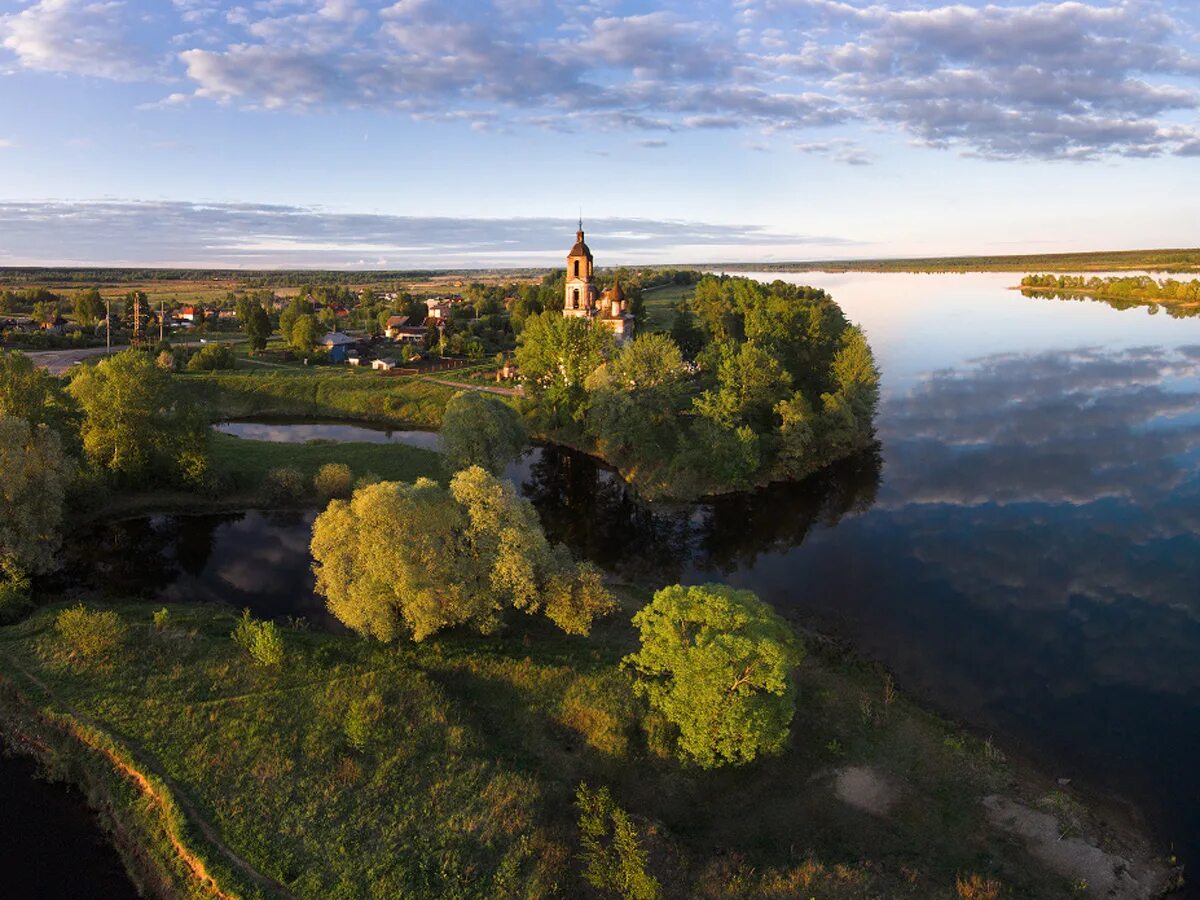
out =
column 576, row 295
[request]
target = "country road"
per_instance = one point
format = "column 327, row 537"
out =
column 58, row 361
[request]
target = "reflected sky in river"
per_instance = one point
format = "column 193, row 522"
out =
column 1022, row 548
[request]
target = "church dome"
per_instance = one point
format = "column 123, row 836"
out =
column 580, row 248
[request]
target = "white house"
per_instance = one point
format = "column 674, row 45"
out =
column 384, row 365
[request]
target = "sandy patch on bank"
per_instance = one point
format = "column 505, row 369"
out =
column 1106, row 874
column 865, row 788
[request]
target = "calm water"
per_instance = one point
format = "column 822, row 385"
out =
column 1023, row 551
column 283, row 431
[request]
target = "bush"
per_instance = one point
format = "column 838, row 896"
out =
column 262, row 640
column 211, row 358
column 333, row 480
column 162, row 619
column 90, row 634
column 165, row 361
column 361, row 716
column 285, row 485
column 15, row 600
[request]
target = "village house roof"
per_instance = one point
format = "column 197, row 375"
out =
column 336, row 339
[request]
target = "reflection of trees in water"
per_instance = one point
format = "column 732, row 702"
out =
column 740, row 527
column 1175, row 311
column 140, row 557
column 593, row 511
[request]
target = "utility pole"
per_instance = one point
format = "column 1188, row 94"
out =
column 162, row 302
column 137, row 319
column 107, row 327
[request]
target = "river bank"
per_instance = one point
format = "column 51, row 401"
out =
column 473, row 757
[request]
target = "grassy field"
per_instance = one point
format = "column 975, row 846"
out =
column 474, row 747
column 660, row 304
column 320, row 392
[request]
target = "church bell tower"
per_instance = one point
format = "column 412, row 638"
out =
column 581, row 285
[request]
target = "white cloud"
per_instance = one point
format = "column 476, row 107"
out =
column 76, row 36
column 267, row 236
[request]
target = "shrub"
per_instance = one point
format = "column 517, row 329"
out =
column 361, row 716
column 162, row 619
column 613, row 857
column 165, row 361
column 211, row 358
column 285, row 485
column 15, row 600
column 976, row 887
column 333, row 480
column 262, row 640
column 90, row 634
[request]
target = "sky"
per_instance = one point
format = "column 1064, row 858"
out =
column 473, row 133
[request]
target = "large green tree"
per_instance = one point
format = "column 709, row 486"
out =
column 555, row 355
column 135, row 422
column 34, row 395
column 717, row 663
column 257, row 326
column 89, row 307
column 411, row 559
column 480, row 429
column 36, row 476
column 304, row 334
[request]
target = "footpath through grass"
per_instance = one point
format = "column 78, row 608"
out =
column 448, row 769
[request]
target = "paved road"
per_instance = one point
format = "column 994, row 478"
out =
column 58, row 361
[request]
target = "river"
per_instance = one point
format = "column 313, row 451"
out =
column 1022, row 552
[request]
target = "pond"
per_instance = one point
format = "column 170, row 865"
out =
column 289, row 431
column 1023, row 551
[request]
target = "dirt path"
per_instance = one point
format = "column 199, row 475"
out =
column 193, row 862
column 487, row 389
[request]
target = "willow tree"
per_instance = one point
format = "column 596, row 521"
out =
column 480, row 429
column 401, row 559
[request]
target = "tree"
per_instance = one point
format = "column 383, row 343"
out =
column 304, row 334
column 34, row 395
column 750, row 381
column 134, row 420
column 36, row 475
column 257, row 326
column 480, row 429
column 613, row 855
column 89, row 307
column 555, row 355
column 413, row 559
column 716, row 662
column 287, row 318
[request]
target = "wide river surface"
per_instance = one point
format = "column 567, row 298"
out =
column 1023, row 552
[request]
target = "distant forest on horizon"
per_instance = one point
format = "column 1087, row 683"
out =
column 1175, row 260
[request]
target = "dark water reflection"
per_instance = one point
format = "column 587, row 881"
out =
column 45, row 825
column 1024, row 550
